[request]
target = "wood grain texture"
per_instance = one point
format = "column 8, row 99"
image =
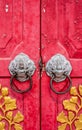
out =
column 21, row 24
column 59, row 36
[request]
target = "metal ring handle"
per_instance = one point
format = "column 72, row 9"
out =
column 16, row 89
column 54, row 90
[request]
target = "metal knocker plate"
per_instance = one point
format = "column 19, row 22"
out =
column 59, row 68
column 21, row 68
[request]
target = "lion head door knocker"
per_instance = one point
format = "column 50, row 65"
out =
column 59, row 68
column 21, row 68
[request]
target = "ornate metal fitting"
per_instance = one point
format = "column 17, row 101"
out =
column 22, row 66
column 58, row 67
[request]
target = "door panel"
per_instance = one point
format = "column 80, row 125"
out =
column 61, row 33
column 19, row 32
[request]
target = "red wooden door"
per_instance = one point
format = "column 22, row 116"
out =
column 19, row 32
column 62, row 33
column 40, row 28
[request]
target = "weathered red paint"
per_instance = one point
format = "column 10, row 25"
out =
column 61, row 33
column 19, row 32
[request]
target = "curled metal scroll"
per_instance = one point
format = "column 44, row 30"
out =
column 59, row 68
column 21, row 68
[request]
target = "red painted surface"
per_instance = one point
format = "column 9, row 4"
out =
column 61, row 33
column 19, row 32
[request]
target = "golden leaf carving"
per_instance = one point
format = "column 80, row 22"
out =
column 62, row 118
column 2, row 126
column 73, row 99
column 8, row 106
column 4, row 91
column 70, row 115
column 18, row 127
column 78, row 125
column 80, row 117
column 73, row 108
column 62, row 127
column 9, row 115
column 1, row 117
column 69, row 106
column 18, row 118
column 73, row 91
column 80, row 89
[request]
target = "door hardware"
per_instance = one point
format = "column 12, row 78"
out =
column 21, row 68
column 41, row 64
column 59, row 68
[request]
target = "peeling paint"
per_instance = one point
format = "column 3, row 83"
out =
column 7, row 8
column 44, row 10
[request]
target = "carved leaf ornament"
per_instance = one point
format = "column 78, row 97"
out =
column 72, row 116
column 7, row 108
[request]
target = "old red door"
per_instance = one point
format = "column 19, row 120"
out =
column 19, row 33
column 40, row 28
column 62, row 33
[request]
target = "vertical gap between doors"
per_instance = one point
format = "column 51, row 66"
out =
column 22, row 1
column 40, row 59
